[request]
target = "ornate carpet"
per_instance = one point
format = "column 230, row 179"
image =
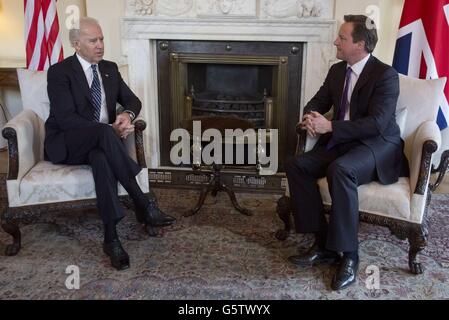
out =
column 216, row 254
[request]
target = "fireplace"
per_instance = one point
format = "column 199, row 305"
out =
column 300, row 33
column 256, row 81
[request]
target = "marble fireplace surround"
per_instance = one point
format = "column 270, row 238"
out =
column 308, row 21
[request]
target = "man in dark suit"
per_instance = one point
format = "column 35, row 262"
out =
column 83, row 128
column 360, row 144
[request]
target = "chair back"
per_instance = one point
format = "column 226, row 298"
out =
column 421, row 100
column 33, row 91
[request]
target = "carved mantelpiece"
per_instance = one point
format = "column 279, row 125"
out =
column 262, row 9
column 146, row 21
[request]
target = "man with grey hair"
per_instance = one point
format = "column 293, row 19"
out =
column 83, row 128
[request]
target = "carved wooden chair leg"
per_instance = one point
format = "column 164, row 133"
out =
column 283, row 210
column 12, row 228
column 201, row 200
column 442, row 168
column 236, row 205
column 418, row 241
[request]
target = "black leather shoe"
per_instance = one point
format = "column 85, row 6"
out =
column 153, row 216
column 119, row 257
column 346, row 273
column 315, row 255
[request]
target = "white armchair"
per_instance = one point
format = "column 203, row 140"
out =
column 34, row 186
column 401, row 206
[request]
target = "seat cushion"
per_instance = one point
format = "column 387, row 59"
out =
column 391, row 201
column 49, row 183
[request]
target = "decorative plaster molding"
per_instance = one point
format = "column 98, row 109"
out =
column 262, row 9
column 293, row 8
column 226, row 8
column 141, row 7
column 173, row 8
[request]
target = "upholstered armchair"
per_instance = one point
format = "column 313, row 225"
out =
column 36, row 187
column 401, row 206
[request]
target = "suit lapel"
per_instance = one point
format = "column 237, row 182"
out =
column 365, row 75
column 363, row 79
column 81, row 77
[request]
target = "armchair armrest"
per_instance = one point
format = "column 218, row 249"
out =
column 427, row 141
column 305, row 142
column 23, row 133
column 135, row 146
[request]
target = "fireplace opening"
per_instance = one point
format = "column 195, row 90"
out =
column 230, row 90
column 255, row 81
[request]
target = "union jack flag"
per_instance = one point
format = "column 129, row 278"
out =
column 422, row 47
column 43, row 43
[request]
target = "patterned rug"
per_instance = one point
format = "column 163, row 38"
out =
column 216, row 254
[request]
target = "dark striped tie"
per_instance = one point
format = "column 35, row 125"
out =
column 95, row 92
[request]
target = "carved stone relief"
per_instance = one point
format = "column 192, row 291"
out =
column 173, row 7
column 141, row 7
column 226, row 8
column 292, row 8
column 263, row 9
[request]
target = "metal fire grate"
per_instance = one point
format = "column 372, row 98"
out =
column 257, row 110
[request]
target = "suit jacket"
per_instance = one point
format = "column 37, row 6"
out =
column 71, row 105
column 372, row 115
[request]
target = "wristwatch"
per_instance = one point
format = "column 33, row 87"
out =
column 131, row 114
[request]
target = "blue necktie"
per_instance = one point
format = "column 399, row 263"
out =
column 95, row 92
column 344, row 103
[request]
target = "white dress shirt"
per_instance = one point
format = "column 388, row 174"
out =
column 89, row 76
column 357, row 69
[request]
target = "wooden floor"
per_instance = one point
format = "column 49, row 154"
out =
column 444, row 187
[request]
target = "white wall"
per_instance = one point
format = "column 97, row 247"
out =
column 109, row 14
column 387, row 12
column 12, row 49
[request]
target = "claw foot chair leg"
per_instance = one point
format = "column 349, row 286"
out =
column 284, row 212
column 12, row 229
column 418, row 241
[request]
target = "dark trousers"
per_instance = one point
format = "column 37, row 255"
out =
column 102, row 149
column 345, row 166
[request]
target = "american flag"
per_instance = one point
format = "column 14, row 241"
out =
column 422, row 48
column 43, row 43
